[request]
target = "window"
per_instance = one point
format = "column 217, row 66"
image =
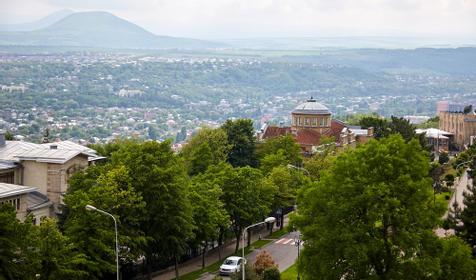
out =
column 15, row 202
column 307, row 122
column 300, row 120
column 322, row 121
column 314, row 121
column 8, row 177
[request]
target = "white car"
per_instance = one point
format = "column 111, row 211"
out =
column 231, row 265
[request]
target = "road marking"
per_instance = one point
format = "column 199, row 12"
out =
column 280, row 240
column 287, row 241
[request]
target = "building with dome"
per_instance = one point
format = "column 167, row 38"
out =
column 311, row 122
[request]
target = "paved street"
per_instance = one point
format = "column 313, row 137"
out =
column 283, row 250
column 460, row 187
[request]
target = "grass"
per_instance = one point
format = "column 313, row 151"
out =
column 290, row 273
column 277, row 234
column 441, row 201
column 216, row 265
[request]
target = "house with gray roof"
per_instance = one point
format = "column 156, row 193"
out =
column 46, row 167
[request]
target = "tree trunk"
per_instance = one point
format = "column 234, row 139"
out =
column 248, row 232
column 176, row 267
column 220, row 240
column 204, row 251
column 282, row 221
column 238, row 235
column 148, row 267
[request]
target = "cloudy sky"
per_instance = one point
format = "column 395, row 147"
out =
column 271, row 18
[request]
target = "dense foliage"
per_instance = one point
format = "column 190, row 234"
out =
column 371, row 216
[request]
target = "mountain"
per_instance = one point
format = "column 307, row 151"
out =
column 39, row 24
column 100, row 30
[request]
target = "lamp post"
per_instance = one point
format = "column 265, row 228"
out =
column 92, row 208
column 268, row 220
column 299, row 168
column 298, row 242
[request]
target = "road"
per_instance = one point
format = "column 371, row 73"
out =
column 283, row 251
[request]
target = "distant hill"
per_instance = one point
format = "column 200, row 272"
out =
column 102, row 30
column 39, row 24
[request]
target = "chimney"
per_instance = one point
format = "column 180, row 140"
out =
column 2, row 138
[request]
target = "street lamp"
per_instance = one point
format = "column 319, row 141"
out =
column 298, row 242
column 268, row 220
column 92, row 208
column 299, row 168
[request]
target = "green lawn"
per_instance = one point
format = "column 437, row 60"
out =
column 290, row 273
column 277, row 234
column 215, row 266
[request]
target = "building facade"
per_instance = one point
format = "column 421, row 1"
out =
column 311, row 122
column 44, row 167
column 461, row 125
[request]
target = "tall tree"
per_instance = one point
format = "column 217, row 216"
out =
column 465, row 224
column 380, row 125
column 209, row 213
column 403, row 127
column 160, row 177
column 241, row 136
column 108, row 188
column 217, row 140
column 15, row 256
column 58, row 256
column 371, row 215
column 286, row 144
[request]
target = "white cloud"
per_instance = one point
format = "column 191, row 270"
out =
column 275, row 18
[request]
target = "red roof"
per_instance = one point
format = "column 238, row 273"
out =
column 275, row 131
column 308, row 137
column 336, row 129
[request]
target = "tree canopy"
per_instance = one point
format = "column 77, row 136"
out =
column 371, row 216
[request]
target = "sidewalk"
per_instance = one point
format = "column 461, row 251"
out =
column 211, row 256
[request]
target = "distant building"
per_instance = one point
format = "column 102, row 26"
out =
column 461, row 125
column 416, row 119
column 310, row 122
column 45, row 167
column 439, row 140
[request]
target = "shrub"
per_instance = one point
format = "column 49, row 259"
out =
column 271, row 273
column 263, row 261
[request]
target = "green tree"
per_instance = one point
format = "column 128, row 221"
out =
column 402, row 127
column 371, row 215
column 284, row 144
column 380, row 125
column 14, row 255
column 271, row 273
column 8, row 136
column 57, row 255
column 443, row 158
column 454, row 261
column 209, row 213
column 108, row 188
column 245, row 196
column 199, row 159
column 160, row 177
column 216, row 138
column 241, row 137
column 465, row 226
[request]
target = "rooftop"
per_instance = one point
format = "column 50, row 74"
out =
column 8, row 190
column 311, row 107
column 57, row 152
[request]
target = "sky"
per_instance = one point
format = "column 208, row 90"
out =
column 271, row 18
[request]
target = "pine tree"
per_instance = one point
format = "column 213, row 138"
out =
column 467, row 229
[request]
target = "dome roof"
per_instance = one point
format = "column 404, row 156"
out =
column 311, row 107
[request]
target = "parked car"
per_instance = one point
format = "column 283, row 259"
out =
column 231, row 265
